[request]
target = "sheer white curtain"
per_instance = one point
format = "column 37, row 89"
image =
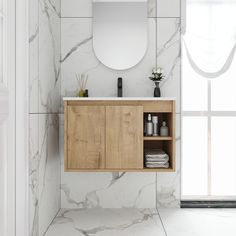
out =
column 210, row 36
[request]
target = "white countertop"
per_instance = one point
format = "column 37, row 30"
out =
column 118, row 98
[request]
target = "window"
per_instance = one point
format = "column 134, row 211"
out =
column 209, row 100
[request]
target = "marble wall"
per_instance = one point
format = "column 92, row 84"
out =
column 117, row 190
column 44, row 101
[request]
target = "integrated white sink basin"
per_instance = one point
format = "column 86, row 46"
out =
column 119, row 98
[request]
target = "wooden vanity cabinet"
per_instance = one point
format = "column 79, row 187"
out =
column 108, row 135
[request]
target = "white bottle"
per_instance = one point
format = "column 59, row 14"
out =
column 155, row 125
column 164, row 129
column 149, row 126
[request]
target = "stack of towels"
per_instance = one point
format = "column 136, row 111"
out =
column 156, row 158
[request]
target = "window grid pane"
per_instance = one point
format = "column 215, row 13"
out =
column 223, row 159
column 194, row 153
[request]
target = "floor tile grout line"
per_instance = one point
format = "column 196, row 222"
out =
column 161, row 222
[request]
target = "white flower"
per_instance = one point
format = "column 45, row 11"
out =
column 158, row 70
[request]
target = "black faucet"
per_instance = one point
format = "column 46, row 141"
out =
column 119, row 87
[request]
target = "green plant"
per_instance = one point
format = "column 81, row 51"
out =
column 157, row 75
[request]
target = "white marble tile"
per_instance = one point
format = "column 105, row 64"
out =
column 78, row 57
column 49, row 170
column 83, row 8
column 33, row 56
column 106, row 190
column 44, row 67
column 152, row 8
column 107, row 222
column 168, row 57
column 198, row 222
column 168, row 184
column 49, row 56
column 33, row 174
column 168, row 8
column 76, row 8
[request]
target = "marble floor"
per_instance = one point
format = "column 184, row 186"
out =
column 144, row 222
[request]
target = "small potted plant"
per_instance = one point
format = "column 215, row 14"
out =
column 157, row 77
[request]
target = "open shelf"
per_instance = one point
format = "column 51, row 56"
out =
column 167, row 144
column 165, row 116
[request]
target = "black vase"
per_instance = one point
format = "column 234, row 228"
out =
column 157, row 90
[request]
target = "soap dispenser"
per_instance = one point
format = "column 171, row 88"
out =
column 149, row 126
column 155, row 125
column 164, row 129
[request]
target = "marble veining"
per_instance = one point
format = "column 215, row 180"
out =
column 49, row 170
column 73, row 49
column 83, row 8
column 105, row 190
column 152, row 8
column 33, row 56
column 168, row 184
column 77, row 30
column 44, row 95
column 140, row 222
column 49, row 56
column 120, row 189
column 52, row 76
column 44, row 171
column 107, row 222
column 34, row 35
column 169, row 57
column 33, row 174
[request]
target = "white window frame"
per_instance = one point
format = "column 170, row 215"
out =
column 209, row 114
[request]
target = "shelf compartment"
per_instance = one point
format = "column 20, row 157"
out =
column 167, row 146
column 167, row 117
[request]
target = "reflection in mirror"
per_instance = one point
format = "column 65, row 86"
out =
column 120, row 32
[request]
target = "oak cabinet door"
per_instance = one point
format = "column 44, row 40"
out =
column 86, row 137
column 124, row 137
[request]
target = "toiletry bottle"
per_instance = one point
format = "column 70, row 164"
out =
column 149, row 126
column 155, row 125
column 164, row 129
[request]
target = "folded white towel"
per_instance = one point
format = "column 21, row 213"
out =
column 157, row 165
column 156, row 162
column 155, row 153
column 157, row 159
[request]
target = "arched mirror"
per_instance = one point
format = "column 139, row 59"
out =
column 120, row 32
